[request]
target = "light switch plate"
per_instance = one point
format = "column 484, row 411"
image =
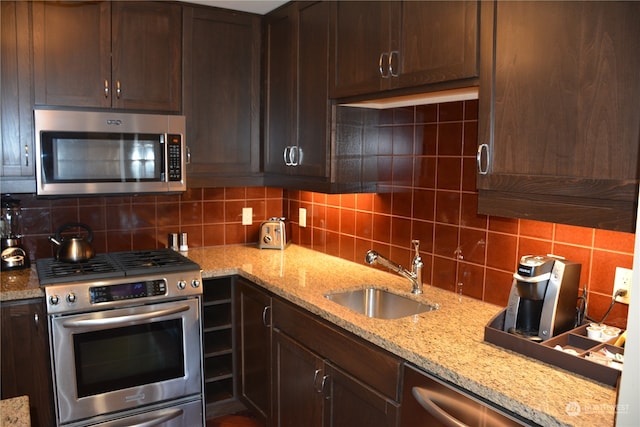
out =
column 302, row 217
column 247, row 216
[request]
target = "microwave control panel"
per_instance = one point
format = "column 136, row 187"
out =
column 174, row 157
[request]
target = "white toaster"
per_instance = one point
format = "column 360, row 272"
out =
column 274, row 234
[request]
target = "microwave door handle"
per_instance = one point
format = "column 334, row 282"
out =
column 122, row 320
column 150, row 421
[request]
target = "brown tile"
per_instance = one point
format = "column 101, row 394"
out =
column 469, row 174
column 233, row 193
column 233, row 210
column 470, row 139
column 423, row 204
column 364, row 201
column 382, row 203
column 143, row 216
column 449, row 111
column 401, row 203
column 578, row 254
column 319, row 239
column 503, row 225
column 470, row 280
column 538, row 229
column 319, row 216
column 191, row 194
column 347, row 221
column 348, row 201
column 471, row 109
column 118, row 217
column 402, row 255
column 364, row 225
column 614, row 240
column 528, row 246
column 385, row 169
column 426, row 140
column 191, row 213
column 213, row 212
column 167, row 215
column 444, row 273
column 448, row 207
column 234, row 234
column 497, row 286
column 449, row 173
column 473, row 245
column 213, row 194
column 259, row 210
column 424, row 172
column 501, row 251
column 426, row 113
column 347, row 247
column 402, row 140
column 332, row 244
column 402, row 171
column 423, row 231
column 604, row 269
column 213, row 234
column 450, row 139
column 445, row 241
column 118, row 240
column 574, row 235
column 381, row 228
column 333, row 219
column 469, row 217
column 256, row 192
column 401, row 231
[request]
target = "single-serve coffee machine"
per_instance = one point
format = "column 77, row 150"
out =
column 543, row 297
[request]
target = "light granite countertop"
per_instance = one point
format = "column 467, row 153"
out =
column 447, row 342
column 14, row 412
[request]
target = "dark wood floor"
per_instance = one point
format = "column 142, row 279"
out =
column 234, row 421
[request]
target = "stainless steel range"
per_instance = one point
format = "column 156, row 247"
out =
column 125, row 336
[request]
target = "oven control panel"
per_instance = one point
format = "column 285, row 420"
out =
column 123, row 291
column 89, row 295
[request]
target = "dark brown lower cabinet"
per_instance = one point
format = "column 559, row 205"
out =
column 253, row 338
column 25, row 358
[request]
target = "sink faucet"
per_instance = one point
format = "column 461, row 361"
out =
column 414, row 276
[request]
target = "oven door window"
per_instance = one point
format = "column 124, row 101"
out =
column 101, row 157
column 131, row 356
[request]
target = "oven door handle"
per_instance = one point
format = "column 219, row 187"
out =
column 153, row 420
column 122, row 320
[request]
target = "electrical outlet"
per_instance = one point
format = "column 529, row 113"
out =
column 622, row 281
column 247, row 216
column 302, row 217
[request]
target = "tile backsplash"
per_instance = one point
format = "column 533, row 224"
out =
column 426, row 162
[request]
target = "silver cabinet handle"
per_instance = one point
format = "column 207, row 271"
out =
column 36, row 319
column 394, row 65
column 296, row 155
column 26, row 155
column 188, row 155
column 266, row 319
column 315, row 381
column 383, row 65
column 155, row 419
column 106, row 88
column 118, row 89
column 483, row 149
column 286, row 155
column 325, row 393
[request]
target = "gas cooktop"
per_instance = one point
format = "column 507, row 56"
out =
column 113, row 265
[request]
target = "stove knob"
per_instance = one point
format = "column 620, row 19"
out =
column 195, row 283
column 182, row 284
column 54, row 299
column 71, row 298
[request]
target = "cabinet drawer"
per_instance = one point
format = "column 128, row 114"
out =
column 371, row 365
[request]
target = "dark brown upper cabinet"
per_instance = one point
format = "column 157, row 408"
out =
column 306, row 146
column 124, row 55
column 16, row 102
column 222, row 96
column 383, row 45
column 559, row 128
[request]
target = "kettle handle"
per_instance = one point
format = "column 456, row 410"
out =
column 75, row 225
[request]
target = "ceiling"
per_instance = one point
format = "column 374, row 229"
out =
column 260, row 7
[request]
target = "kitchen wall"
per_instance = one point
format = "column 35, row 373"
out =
column 426, row 161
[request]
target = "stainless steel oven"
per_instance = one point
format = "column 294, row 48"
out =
column 126, row 349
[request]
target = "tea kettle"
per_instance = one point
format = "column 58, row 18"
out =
column 73, row 248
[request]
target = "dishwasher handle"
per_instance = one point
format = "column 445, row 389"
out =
column 427, row 400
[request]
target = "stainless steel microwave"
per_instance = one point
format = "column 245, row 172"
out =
column 88, row 152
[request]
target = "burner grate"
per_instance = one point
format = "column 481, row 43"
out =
column 52, row 271
column 158, row 260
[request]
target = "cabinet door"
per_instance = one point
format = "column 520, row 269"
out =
column 280, row 117
column 222, row 96
column 361, row 38
column 297, row 384
column 16, row 114
column 25, row 358
column 314, row 107
column 438, row 42
column 348, row 402
column 147, row 56
column 558, row 112
column 253, row 320
column 72, row 48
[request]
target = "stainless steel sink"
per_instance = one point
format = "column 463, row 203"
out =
column 379, row 303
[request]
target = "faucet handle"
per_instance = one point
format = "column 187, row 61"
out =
column 416, row 246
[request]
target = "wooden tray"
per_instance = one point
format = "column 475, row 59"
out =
column 575, row 339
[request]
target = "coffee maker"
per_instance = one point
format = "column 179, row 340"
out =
column 13, row 256
column 543, row 297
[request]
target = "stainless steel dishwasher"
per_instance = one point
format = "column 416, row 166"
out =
column 429, row 401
